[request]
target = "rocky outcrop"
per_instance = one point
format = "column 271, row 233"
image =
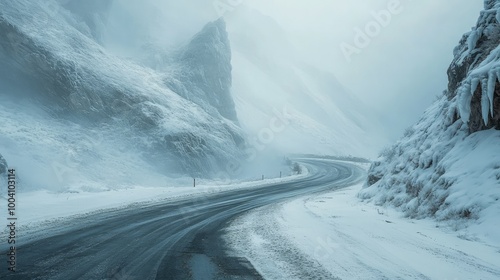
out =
column 206, row 63
column 199, row 71
column 475, row 71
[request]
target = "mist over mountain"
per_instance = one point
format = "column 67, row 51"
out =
column 270, row 76
column 94, row 13
column 446, row 166
column 66, row 96
column 99, row 93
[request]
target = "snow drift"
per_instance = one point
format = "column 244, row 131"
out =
column 74, row 112
column 447, row 166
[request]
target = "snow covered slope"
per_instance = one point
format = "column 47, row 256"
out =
column 271, row 80
column 70, row 108
column 335, row 236
column 447, row 166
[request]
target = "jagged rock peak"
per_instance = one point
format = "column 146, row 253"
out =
column 208, row 61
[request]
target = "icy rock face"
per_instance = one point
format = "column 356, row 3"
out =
column 447, row 166
column 199, row 71
column 475, row 71
column 207, row 68
column 74, row 78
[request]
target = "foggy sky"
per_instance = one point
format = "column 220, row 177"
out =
column 398, row 73
column 403, row 68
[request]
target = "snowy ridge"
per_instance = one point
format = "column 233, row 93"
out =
column 447, row 166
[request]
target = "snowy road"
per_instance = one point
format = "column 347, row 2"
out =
column 177, row 240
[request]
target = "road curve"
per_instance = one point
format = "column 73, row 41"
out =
column 174, row 240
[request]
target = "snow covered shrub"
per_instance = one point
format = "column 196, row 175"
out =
column 409, row 131
column 296, row 168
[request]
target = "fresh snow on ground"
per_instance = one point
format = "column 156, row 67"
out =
column 452, row 178
column 336, row 235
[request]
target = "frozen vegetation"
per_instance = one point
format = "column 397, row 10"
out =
column 447, row 166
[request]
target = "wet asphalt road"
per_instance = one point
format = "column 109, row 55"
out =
column 171, row 240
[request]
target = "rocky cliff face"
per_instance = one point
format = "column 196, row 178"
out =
column 207, row 68
column 474, row 72
column 49, row 62
column 447, row 166
column 199, row 71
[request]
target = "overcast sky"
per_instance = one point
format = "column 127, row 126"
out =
column 403, row 67
column 398, row 72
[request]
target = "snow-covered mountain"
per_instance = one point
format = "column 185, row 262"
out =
column 74, row 112
column 85, row 107
column 270, row 80
column 447, row 166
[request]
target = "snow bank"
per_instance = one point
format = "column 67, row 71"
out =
column 334, row 235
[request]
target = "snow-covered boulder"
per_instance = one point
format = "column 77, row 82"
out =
column 447, row 166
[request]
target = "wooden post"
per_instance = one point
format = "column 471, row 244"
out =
column 194, row 182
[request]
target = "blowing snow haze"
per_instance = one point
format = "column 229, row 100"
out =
column 233, row 139
column 172, row 88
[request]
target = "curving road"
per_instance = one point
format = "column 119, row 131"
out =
column 174, row 240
